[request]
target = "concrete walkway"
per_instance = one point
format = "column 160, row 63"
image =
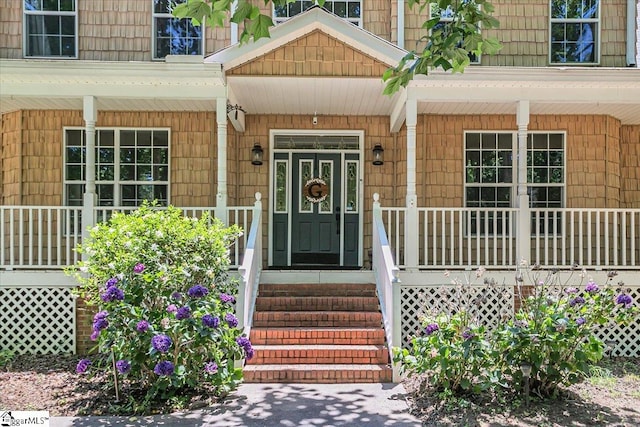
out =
column 284, row 405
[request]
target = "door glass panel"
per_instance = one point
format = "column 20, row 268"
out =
column 306, row 170
column 352, row 187
column 326, row 173
column 281, row 187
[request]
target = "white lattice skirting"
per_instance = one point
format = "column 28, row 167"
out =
column 416, row 301
column 37, row 320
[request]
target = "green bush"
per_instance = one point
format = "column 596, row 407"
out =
column 553, row 333
column 166, row 301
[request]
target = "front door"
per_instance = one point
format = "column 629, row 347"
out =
column 316, row 215
column 316, row 218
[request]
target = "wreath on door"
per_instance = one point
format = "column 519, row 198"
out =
column 316, row 190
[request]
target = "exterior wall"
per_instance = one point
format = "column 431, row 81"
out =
column 376, row 16
column 592, row 147
column 40, row 137
column 108, row 30
column 11, row 162
column 524, row 33
column 381, row 179
column 315, row 54
column 629, row 166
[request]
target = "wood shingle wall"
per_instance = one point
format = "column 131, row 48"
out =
column 315, row 54
column 630, row 166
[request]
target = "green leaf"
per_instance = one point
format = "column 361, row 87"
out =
column 195, row 9
column 259, row 28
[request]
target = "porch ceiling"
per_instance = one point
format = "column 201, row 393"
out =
column 311, row 95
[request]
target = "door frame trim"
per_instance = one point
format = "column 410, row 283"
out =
column 360, row 152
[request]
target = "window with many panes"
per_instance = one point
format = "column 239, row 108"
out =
column 172, row 36
column 574, row 31
column 351, row 10
column 50, row 28
column 132, row 165
column 491, row 172
column 445, row 21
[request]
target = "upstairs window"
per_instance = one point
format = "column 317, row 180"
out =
column 174, row 36
column 446, row 20
column 350, row 10
column 50, row 28
column 575, row 28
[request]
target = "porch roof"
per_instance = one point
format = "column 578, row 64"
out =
column 182, row 83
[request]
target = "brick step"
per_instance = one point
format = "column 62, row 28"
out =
column 317, row 373
column 319, row 354
column 317, row 303
column 317, row 289
column 318, row 319
column 338, row 336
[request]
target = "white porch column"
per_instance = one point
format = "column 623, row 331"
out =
column 90, row 116
column 411, row 221
column 221, row 197
column 523, row 234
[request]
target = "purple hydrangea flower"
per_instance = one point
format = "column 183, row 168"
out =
column 571, row 291
column 592, row 288
column 431, row 328
column 100, row 315
column 176, row 296
column 197, row 291
column 576, row 301
column 171, row 308
column 112, row 293
column 243, row 342
column 83, row 365
column 138, row 268
column 211, row 367
column 164, row 368
column 100, row 324
column 94, row 335
column 227, row 299
column 624, row 299
column 123, row 366
column 467, row 334
column 183, row 313
column 111, row 282
column 249, row 353
column 231, row 320
column 161, row 343
column 580, row 321
column 142, row 326
column 210, row 321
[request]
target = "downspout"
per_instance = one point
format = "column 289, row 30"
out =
column 234, row 26
column 631, row 33
column 401, row 23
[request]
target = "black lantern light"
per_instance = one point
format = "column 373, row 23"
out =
column 256, row 154
column 377, row 155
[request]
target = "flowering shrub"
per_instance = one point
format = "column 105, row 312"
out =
column 552, row 336
column 161, row 283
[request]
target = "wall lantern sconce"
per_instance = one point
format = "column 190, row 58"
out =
column 377, row 155
column 256, row 154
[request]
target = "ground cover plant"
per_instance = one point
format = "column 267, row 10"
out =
column 164, row 318
column 550, row 341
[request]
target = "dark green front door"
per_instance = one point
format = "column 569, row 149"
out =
column 316, row 212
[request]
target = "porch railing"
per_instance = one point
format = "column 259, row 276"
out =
column 459, row 238
column 387, row 283
column 44, row 237
column 250, row 269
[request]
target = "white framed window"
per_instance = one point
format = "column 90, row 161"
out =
column 50, row 29
column 491, row 171
column 446, row 20
column 132, row 165
column 172, row 36
column 350, row 10
column 574, row 32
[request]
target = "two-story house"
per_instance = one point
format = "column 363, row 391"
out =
column 531, row 153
